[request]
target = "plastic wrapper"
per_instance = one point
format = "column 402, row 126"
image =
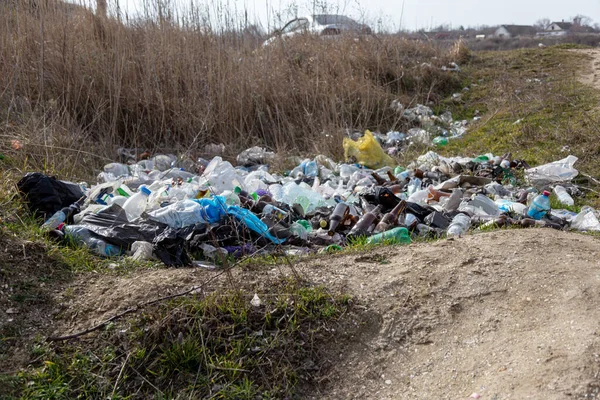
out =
column 586, row 220
column 557, row 171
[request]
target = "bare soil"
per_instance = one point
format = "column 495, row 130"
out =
column 591, row 75
column 502, row 315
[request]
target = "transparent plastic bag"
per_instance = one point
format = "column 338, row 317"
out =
column 557, row 171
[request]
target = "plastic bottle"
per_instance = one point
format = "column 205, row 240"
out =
column 365, row 222
column 63, row 215
column 459, row 225
column 311, row 169
column 563, row 196
column 340, row 212
column 136, row 204
column 179, row 215
column 396, row 235
column 271, row 210
column 540, row 206
column 440, row 141
column 299, row 230
column 347, row 170
column 414, row 186
column 82, row 235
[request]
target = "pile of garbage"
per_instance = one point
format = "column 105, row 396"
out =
column 197, row 211
column 427, row 129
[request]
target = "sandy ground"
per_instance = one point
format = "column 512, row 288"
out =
column 591, row 75
column 502, row 315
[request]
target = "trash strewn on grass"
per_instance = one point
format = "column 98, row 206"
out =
column 183, row 211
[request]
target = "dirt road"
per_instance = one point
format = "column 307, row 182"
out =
column 591, row 75
column 503, row 315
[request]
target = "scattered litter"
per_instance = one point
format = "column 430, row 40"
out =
column 212, row 212
column 255, row 302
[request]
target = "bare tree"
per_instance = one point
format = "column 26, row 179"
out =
column 582, row 20
column 543, row 23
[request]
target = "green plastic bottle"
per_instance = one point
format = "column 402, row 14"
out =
column 396, row 235
column 398, row 170
column 440, row 141
column 481, row 159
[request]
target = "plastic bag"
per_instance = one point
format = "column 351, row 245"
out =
column 586, row 220
column 45, row 195
column 367, row 151
column 557, row 171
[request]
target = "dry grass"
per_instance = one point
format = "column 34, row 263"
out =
column 69, row 79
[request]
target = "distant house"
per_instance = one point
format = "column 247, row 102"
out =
column 560, row 26
column 514, row 31
column 557, row 29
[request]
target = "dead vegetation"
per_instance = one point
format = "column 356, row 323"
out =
column 72, row 80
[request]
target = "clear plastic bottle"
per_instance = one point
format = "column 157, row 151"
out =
column 83, row 236
column 563, row 196
column 539, row 206
column 459, row 226
column 179, row 215
column 136, row 204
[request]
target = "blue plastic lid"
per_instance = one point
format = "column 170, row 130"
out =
column 145, row 190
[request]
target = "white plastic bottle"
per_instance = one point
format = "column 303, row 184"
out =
column 136, row 204
column 459, row 225
column 563, row 196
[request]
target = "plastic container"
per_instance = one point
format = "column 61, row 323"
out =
column 459, row 226
column 136, row 204
column 396, row 235
column 311, row 169
column 440, row 141
column 83, row 236
column 540, row 206
column 179, row 215
column 563, row 196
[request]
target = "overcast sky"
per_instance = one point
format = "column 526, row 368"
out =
column 417, row 14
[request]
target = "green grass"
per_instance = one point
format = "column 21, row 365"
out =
column 557, row 115
column 218, row 346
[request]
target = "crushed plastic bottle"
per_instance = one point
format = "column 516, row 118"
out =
column 459, row 226
column 563, row 196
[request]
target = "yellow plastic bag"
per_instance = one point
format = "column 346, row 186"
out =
column 367, row 151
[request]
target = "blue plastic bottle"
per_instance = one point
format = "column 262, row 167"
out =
column 311, row 169
column 540, row 206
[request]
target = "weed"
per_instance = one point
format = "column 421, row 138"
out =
column 219, row 346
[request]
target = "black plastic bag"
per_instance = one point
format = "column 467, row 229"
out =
column 112, row 225
column 46, row 195
column 171, row 246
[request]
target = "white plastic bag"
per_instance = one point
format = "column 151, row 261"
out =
column 557, row 171
column 586, row 220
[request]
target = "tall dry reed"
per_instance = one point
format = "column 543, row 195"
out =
column 71, row 79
